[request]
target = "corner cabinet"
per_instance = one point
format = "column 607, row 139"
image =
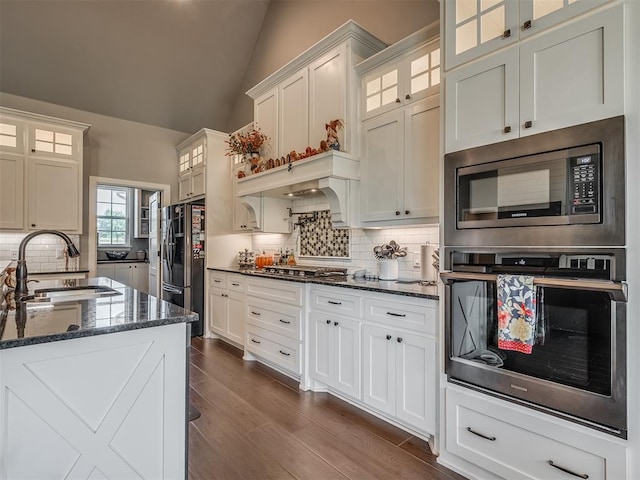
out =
column 533, row 87
column 293, row 105
column 41, row 165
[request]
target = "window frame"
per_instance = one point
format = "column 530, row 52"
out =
column 128, row 217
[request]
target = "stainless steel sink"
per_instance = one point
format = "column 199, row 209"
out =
column 71, row 294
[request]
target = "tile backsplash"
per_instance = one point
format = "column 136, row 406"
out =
column 362, row 242
column 41, row 251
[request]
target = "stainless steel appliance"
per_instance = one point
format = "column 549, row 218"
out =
column 577, row 366
column 332, row 274
column 559, row 188
column 183, row 237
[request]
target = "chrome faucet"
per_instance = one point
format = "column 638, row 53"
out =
column 21, row 268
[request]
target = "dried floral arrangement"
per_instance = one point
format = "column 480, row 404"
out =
column 242, row 143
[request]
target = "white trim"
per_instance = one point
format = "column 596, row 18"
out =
column 92, row 240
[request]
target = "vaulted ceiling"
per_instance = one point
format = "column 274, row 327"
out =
column 177, row 64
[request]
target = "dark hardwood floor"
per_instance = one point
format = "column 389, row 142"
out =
column 256, row 424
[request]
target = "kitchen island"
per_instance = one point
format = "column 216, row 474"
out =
column 96, row 386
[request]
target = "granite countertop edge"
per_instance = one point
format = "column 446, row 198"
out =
column 406, row 290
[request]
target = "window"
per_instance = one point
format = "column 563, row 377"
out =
column 113, row 216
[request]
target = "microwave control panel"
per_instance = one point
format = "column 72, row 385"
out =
column 584, row 181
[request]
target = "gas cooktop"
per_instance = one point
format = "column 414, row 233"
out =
column 304, row 271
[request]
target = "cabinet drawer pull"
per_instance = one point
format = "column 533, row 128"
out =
column 507, row 33
column 470, row 430
column 526, row 25
column 334, row 303
column 255, row 341
column 396, row 314
column 507, row 129
column 256, row 313
column 285, row 322
column 285, row 353
column 566, row 470
column 235, row 284
column 528, row 124
column 217, row 281
column 397, row 100
column 388, row 337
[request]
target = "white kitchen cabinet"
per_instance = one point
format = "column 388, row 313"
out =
column 133, row 274
column 561, row 78
column 41, row 181
column 332, row 93
column 473, row 29
column 511, row 441
column 400, row 175
column 400, row 81
column 11, row 191
column 334, row 352
column 192, row 164
column 226, row 307
column 263, row 214
column 141, row 213
column 399, row 375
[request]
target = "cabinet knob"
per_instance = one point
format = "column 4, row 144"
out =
column 33, row 150
column 388, row 337
column 407, row 212
column 507, row 129
column 507, row 33
column 397, row 212
column 399, row 339
column 528, row 124
column 336, row 323
column 526, row 25
column 33, row 224
column 407, row 97
column 328, row 322
column 397, row 100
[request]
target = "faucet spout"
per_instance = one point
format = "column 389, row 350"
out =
column 21, row 268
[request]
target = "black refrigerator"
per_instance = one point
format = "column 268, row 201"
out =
column 183, row 268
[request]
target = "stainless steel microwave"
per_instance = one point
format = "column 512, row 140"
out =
column 564, row 187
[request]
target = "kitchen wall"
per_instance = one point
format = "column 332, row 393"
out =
column 291, row 27
column 362, row 243
column 41, row 252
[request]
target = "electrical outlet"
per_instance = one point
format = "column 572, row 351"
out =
column 14, row 254
column 416, row 259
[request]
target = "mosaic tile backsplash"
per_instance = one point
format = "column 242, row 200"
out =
column 319, row 239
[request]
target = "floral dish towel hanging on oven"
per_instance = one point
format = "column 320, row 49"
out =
column 516, row 312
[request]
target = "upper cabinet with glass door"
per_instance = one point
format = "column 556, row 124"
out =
column 476, row 27
column 401, row 74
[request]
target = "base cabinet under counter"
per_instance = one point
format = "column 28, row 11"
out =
column 514, row 442
column 226, row 306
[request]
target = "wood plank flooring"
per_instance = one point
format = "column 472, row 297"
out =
column 256, row 424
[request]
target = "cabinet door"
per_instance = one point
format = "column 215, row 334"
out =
column 198, row 181
column 11, row 191
column 416, row 380
column 474, row 28
column 346, row 356
column 12, row 135
column 294, row 113
column 218, row 311
column 543, row 14
column 321, row 347
column 381, row 89
column 184, row 161
column 123, row 273
column 265, row 114
column 421, row 73
column 327, row 96
column 184, row 186
column 574, row 74
column 52, row 141
column 105, row 270
column 236, row 316
column 240, row 216
column 482, row 102
column 422, row 159
column 140, row 277
column 379, row 368
column 53, row 195
column 382, row 167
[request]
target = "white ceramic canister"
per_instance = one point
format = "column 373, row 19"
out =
column 388, row 269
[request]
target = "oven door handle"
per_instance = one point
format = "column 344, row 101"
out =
column 616, row 290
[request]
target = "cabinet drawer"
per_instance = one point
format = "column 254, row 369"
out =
column 217, row 280
column 282, row 351
column 236, row 283
column 486, row 434
column 335, row 301
column 283, row 319
column 277, row 290
column 418, row 315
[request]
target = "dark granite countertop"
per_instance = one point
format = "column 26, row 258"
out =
column 58, row 272
column 123, row 260
column 29, row 323
column 382, row 286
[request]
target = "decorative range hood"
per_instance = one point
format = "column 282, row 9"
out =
column 335, row 174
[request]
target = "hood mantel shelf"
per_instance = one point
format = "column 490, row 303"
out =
column 334, row 173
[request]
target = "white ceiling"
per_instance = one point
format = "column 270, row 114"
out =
column 172, row 63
